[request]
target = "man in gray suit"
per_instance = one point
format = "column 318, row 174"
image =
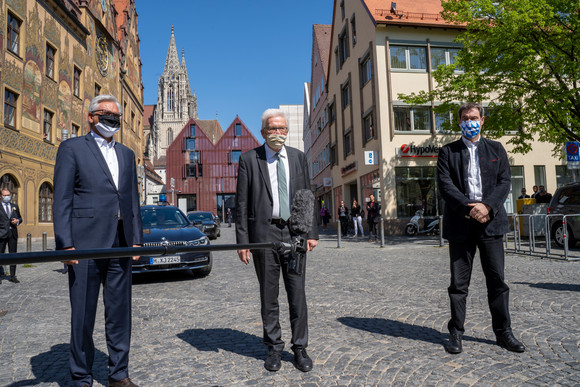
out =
column 474, row 180
column 268, row 176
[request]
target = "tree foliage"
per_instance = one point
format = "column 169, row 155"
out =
column 523, row 57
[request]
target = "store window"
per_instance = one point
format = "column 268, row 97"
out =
column 417, row 190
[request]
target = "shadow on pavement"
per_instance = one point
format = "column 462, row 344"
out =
column 53, row 367
column 401, row 329
column 552, row 286
column 227, row 339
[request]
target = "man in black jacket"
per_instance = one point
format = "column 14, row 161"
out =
column 9, row 220
column 474, row 180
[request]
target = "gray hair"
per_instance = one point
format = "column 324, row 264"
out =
column 103, row 98
column 269, row 113
column 471, row 105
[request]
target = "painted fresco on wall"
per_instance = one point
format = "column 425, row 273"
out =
column 64, row 105
column 84, row 121
column 31, row 100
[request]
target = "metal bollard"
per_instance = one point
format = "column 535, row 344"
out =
column 338, row 233
column 382, row 232
column 28, row 242
column 441, row 241
column 44, row 243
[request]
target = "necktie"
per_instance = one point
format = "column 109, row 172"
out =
column 7, row 209
column 282, row 190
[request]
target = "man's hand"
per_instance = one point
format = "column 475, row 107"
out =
column 71, row 262
column 14, row 221
column 244, row 256
column 479, row 212
column 136, row 257
column 311, row 244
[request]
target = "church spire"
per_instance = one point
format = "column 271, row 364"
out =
column 172, row 61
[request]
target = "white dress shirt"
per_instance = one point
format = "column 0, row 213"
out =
column 272, row 160
column 473, row 172
column 108, row 151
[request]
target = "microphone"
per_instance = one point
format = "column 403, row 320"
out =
column 302, row 212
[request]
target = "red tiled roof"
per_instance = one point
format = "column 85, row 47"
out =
column 322, row 34
column 212, row 129
column 148, row 111
column 408, row 12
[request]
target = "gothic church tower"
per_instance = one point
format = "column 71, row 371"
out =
column 176, row 104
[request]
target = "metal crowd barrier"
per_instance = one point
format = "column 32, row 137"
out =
column 533, row 246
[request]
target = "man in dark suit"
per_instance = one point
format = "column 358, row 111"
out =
column 474, row 180
column 9, row 220
column 96, row 205
column 268, row 176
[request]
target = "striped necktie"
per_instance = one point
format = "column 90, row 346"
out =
column 282, row 189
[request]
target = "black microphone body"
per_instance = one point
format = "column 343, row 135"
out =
column 299, row 224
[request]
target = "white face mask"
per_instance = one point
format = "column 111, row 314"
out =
column 6, row 199
column 275, row 141
column 106, row 130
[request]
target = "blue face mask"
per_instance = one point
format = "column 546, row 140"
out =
column 470, row 129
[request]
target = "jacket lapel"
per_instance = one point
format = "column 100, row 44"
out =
column 120, row 162
column 263, row 166
column 92, row 144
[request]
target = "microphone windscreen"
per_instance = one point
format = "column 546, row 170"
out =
column 302, row 212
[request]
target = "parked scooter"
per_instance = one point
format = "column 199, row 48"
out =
column 414, row 226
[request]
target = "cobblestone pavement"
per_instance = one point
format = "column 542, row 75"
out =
column 377, row 316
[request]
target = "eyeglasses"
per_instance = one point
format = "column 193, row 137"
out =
column 105, row 113
column 282, row 129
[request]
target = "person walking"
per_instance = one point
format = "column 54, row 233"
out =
column 10, row 219
column 96, row 205
column 343, row 217
column 357, row 213
column 373, row 217
column 474, row 180
column 267, row 177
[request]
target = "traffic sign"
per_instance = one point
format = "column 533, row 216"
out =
column 572, row 151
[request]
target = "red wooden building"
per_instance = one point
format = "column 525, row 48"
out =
column 203, row 161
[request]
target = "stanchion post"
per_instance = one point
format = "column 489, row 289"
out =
column 382, row 232
column 28, row 242
column 44, row 243
column 338, row 233
column 441, row 241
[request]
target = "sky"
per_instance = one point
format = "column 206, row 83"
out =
column 242, row 56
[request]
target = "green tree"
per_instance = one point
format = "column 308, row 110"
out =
column 523, row 57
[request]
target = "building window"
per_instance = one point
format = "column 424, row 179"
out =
column 75, row 131
column 169, row 136
column 518, row 183
column 190, row 144
column 9, row 182
column 366, row 70
column 13, row 33
column 77, row 82
column 368, row 127
column 343, row 50
column 97, row 89
column 442, row 56
column 192, row 130
column 194, row 157
column 540, row 175
column 200, row 170
column 47, row 125
column 348, row 143
column 10, row 103
column 331, row 113
column 443, row 122
column 408, row 58
column 236, row 156
column 416, row 189
column 50, row 55
column 342, row 12
column 191, row 170
column 333, row 156
column 133, row 121
column 409, row 119
column 45, row 203
column 238, row 130
column 564, row 175
column 345, row 95
column 353, row 27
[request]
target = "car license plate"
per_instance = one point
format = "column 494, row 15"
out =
column 165, row 260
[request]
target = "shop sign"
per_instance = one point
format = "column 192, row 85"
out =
column 348, row 169
column 327, row 182
column 371, row 158
column 411, row 150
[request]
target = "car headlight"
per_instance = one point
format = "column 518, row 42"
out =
column 199, row 242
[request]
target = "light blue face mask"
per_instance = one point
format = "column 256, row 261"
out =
column 470, row 129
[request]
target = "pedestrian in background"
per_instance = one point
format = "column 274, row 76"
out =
column 325, row 215
column 229, row 216
column 343, row 217
column 96, row 205
column 9, row 220
column 523, row 195
column 474, row 179
column 534, row 191
column 373, row 217
column 357, row 213
column 543, row 196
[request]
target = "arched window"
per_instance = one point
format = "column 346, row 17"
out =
column 9, row 182
column 45, row 203
column 169, row 136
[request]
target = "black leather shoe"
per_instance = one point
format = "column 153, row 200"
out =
column 122, row 383
column 302, row 360
column 509, row 342
column 14, row 279
column 454, row 346
column 273, row 361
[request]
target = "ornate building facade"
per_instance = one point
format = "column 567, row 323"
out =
column 55, row 56
column 176, row 104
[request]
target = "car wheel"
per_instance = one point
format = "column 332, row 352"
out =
column 558, row 236
column 204, row 272
column 411, row 230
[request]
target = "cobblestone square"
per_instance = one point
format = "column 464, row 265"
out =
column 377, row 316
